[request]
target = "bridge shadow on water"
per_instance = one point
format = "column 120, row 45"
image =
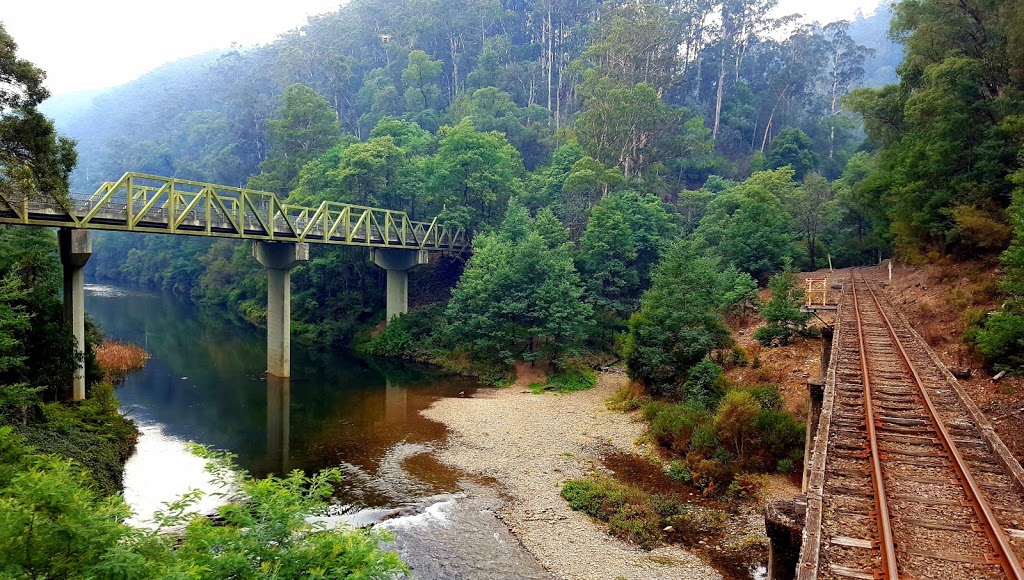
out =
column 206, row 383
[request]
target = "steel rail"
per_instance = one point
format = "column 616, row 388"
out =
column 886, row 545
column 1000, row 543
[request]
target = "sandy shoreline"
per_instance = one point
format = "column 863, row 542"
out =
column 532, row 444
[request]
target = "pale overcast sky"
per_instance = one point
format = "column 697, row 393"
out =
column 91, row 44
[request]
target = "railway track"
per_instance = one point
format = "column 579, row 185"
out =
column 910, row 481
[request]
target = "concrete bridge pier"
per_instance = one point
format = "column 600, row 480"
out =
column 75, row 248
column 278, row 424
column 397, row 263
column 279, row 258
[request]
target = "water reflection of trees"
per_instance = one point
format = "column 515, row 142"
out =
column 206, row 383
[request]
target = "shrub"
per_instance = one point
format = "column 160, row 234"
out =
column 628, row 398
column 709, row 475
column 747, row 431
column 637, row 523
column 117, row 359
column 1001, row 340
column 734, row 420
column 737, row 357
column 574, row 377
column 770, row 335
column 679, row 471
column 782, row 316
column 53, row 525
column 672, row 426
column 746, row 486
column 90, row 432
column 630, row 513
column 705, row 385
column 767, row 396
column 410, row 335
column 700, row 521
column 779, row 435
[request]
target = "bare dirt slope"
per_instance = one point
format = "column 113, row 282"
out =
column 532, row 444
column 789, row 367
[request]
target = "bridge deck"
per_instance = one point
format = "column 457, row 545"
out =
column 147, row 203
column 907, row 477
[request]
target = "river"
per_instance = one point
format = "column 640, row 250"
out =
column 206, row 384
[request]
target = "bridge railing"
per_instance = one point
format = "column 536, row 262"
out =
column 141, row 202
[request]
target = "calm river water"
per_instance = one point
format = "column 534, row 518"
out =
column 206, row 383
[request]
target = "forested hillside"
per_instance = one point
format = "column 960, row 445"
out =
column 631, row 125
column 430, row 106
column 632, row 175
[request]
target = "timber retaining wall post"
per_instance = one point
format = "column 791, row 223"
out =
column 75, row 247
column 279, row 258
column 397, row 263
column 815, row 398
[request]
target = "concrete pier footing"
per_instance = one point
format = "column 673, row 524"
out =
column 397, row 263
column 75, row 249
column 784, row 525
column 279, row 258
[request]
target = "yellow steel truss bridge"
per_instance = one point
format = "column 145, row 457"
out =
column 163, row 205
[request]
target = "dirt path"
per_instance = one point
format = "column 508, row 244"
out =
column 532, row 444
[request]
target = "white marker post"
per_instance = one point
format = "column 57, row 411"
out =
column 890, row 271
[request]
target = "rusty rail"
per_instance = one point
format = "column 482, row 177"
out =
column 886, row 544
column 1000, row 543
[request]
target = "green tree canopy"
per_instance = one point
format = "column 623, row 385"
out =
column 623, row 125
column 624, row 239
column 749, row 225
column 679, row 321
column 304, row 127
column 420, row 78
column 950, row 132
column 34, row 159
column 520, row 296
column 473, row 175
column 792, row 147
column 1001, row 338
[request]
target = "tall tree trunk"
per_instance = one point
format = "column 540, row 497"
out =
column 718, row 98
column 832, row 116
column 551, row 48
column 771, row 118
column 810, row 251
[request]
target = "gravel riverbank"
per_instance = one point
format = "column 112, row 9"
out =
column 532, row 444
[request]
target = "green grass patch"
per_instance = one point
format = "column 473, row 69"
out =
column 570, row 380
column 639, row 517
column 91, row 432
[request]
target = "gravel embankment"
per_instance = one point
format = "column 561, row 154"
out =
column 532, row 444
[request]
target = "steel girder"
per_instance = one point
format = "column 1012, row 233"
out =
column 148, row 203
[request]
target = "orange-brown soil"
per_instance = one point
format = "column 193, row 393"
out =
column 789, row 367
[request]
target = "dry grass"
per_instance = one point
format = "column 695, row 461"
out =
column 117, row 359
column 942, row 299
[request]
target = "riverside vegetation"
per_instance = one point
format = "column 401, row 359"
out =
column 62, row 462
column 631, row 173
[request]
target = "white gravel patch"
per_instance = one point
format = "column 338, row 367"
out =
column 532, row 444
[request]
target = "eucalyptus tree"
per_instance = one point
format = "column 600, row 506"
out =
column 34, row 159
column 305, row 126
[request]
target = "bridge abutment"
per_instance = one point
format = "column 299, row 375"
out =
column 397, row 263
column 75, row 249
column 279, row 258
